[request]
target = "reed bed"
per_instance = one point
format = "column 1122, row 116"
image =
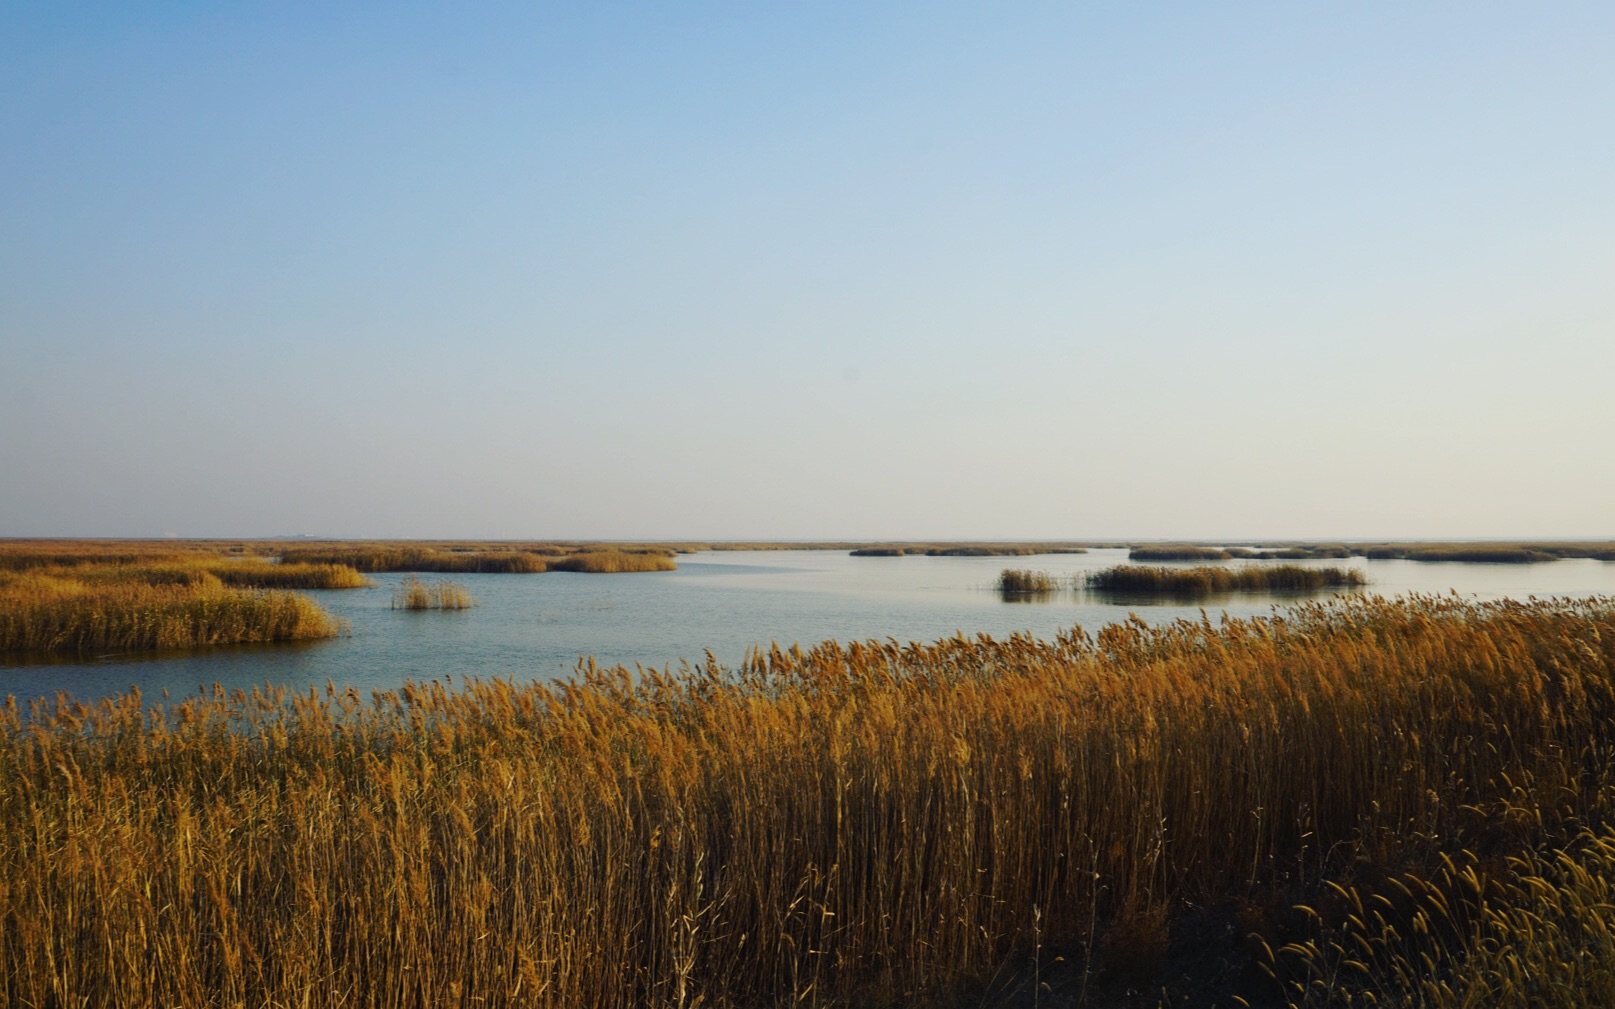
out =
column 966, row 549
column 414, row 594
column 1488, row 553
column 1017, row 581
column 1481, row 555
column 26, row 557
column 525, row 561
column 161, row 601
column 250, row 574
column 1306, row 553
column 1202, row 581
column 45, row 614
column 868, row 824
column 264, row 575
column 1535, row 930
column 1177, row 553
column 424, row 559
column 614, row 562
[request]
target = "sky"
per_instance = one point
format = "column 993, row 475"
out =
column 807, row 270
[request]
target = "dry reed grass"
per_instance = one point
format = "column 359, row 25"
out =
column 1177, row 553
column 1202, row 581
column 259, row 574
column 414, row 594
column 614, row 562
column 1535, row 930
column 393, row 557
column 105, row 600
column 966, row 549
column 1018, row 581
column 844, row 825
column 48, row 614
column 375, row 558
column 1488, row 553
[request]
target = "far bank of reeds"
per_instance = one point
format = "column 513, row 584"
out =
column 1177, row 553
column 846, row 825
column 614, row 562
column 536, row 560
column 380, row 558
column 1201, row 581
column 965, row 549
column 1466, row 553
column 414, row 594
column 259, row 574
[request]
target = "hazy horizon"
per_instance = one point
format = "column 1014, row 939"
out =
column 917, row 272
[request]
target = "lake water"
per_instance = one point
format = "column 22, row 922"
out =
column 537, row 626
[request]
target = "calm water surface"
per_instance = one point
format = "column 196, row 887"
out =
column 537, row 626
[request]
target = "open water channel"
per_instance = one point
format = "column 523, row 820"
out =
column 538, row 626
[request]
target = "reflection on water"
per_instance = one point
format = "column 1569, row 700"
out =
column 537, row 626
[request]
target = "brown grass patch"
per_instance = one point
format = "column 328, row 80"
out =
column 1202, row 581
column 614, row 562
column 46, row 614
column 414, row 594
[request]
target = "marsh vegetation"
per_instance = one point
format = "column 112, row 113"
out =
column 966, row 549
column 46, row 613
column 1468, row 553
column 141, row 601
column 1015, row 581
column 863, row 824
column 1133, row 579
column 414, row 594
column 81, row 596
column 614, row 562
column 1178, row 553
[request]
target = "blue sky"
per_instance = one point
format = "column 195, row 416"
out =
column 807, row 270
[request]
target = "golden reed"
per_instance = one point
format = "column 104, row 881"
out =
column 845, row 825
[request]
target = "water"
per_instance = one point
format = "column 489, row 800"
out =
column 537, row 626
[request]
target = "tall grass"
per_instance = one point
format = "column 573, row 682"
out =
column 414, row 594
column 1177, row 553
column 966, row 549
column 614, row 562
column 375, row 558
column 1201, row 581
column 1481, row 555
column 1489, row 553
column 1016, row 581
column 41, row 613
column 264, row 575
column 1303, row 553
column 1534, row 930
column 392, row 557
column 843, row 825
column 105, row 600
